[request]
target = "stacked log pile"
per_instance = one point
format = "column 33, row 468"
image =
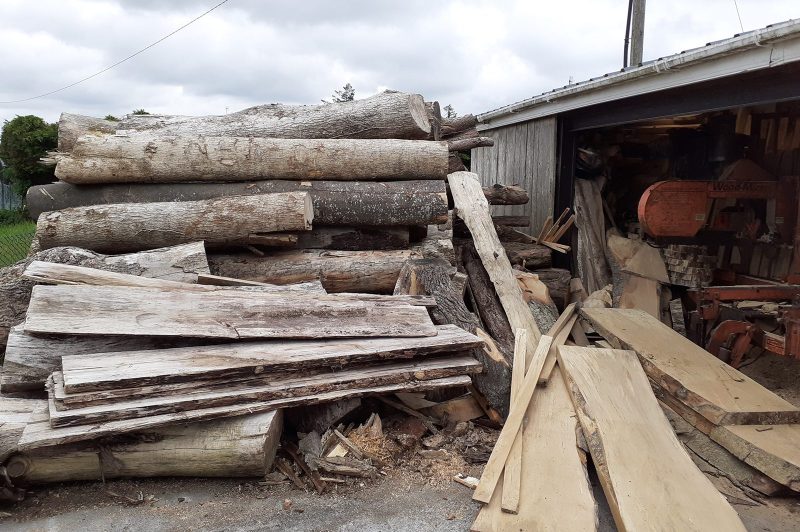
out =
column 261, row 252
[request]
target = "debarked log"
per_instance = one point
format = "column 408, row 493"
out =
column 242, row 446
column 154, row 158
column 120, row 227
column 389, row 114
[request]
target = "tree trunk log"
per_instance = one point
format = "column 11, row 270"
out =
column 557, row 281
column 335, row 202
column 530, row 256
column 155, row 158
column 339, row 271
column 430, row 277
column 179, row 263
column 137, row 226
column 435, row 119
column 242, row 446
column 345, row 238
column 386, row 115
column 468, row 144
column 454, row 126
column 489, row 307
column 506, row 195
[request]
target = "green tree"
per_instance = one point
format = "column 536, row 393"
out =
column 140, row 112
column 346, row 94
column 112, row 118
column 25, row 139
column 449, row 112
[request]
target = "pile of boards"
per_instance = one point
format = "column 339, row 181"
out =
column 596, row 402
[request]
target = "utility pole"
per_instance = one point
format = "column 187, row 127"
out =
column 637, row 32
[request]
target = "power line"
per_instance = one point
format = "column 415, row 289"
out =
column 736, row 5
column 162, row 39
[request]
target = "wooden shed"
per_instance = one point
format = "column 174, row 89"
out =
column 536, row 139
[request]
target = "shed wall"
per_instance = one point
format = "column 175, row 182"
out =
column 523, row 154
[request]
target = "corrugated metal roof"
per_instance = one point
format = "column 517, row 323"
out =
column 717, row 50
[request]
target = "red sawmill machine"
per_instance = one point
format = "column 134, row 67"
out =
column 734, row 217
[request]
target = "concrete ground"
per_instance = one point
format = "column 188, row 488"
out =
column 392, row 503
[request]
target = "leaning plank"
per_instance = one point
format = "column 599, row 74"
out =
column 339, row 271
column 497, row 460
column 152, row 157
column 397, row 203
column 297, row 386
column 473, row 208
column 560, row 338
column 242, row 446
column 648, row 478
column 83, row 309
column 554, row 480
column 120, row 227
column 108, row 370
column 178, row 263
column 705, row 384
column 30, row 359
column 15, row 414
column 771, row 449
column 512, row 474
column 389, row 114
column 41, row 434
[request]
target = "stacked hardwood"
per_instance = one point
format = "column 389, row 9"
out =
column 297, row 338
column 746, row 419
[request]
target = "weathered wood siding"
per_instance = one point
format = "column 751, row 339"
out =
column 523, row 154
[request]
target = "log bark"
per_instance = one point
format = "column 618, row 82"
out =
column 489, row 307
column 179, row 263
column 155, row 158
column 389, row 114
column 435, row 118
column 125, row 227
column 243, row 446
column 335, row 202
column 506, row 195
column 339, row 271
column 431, row 277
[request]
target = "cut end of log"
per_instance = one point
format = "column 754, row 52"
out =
column 419, row 113
column 308, row 209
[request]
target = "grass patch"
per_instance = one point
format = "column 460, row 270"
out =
column 15, row 241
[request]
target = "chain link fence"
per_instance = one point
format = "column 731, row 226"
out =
column 15, row 241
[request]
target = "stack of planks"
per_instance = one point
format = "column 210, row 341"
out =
column 725, row 406
column 594, row 402
column 342, row 193
column 226, row 351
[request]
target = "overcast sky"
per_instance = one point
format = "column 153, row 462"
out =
column 476, row 55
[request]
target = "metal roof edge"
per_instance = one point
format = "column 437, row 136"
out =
column 772, row 34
